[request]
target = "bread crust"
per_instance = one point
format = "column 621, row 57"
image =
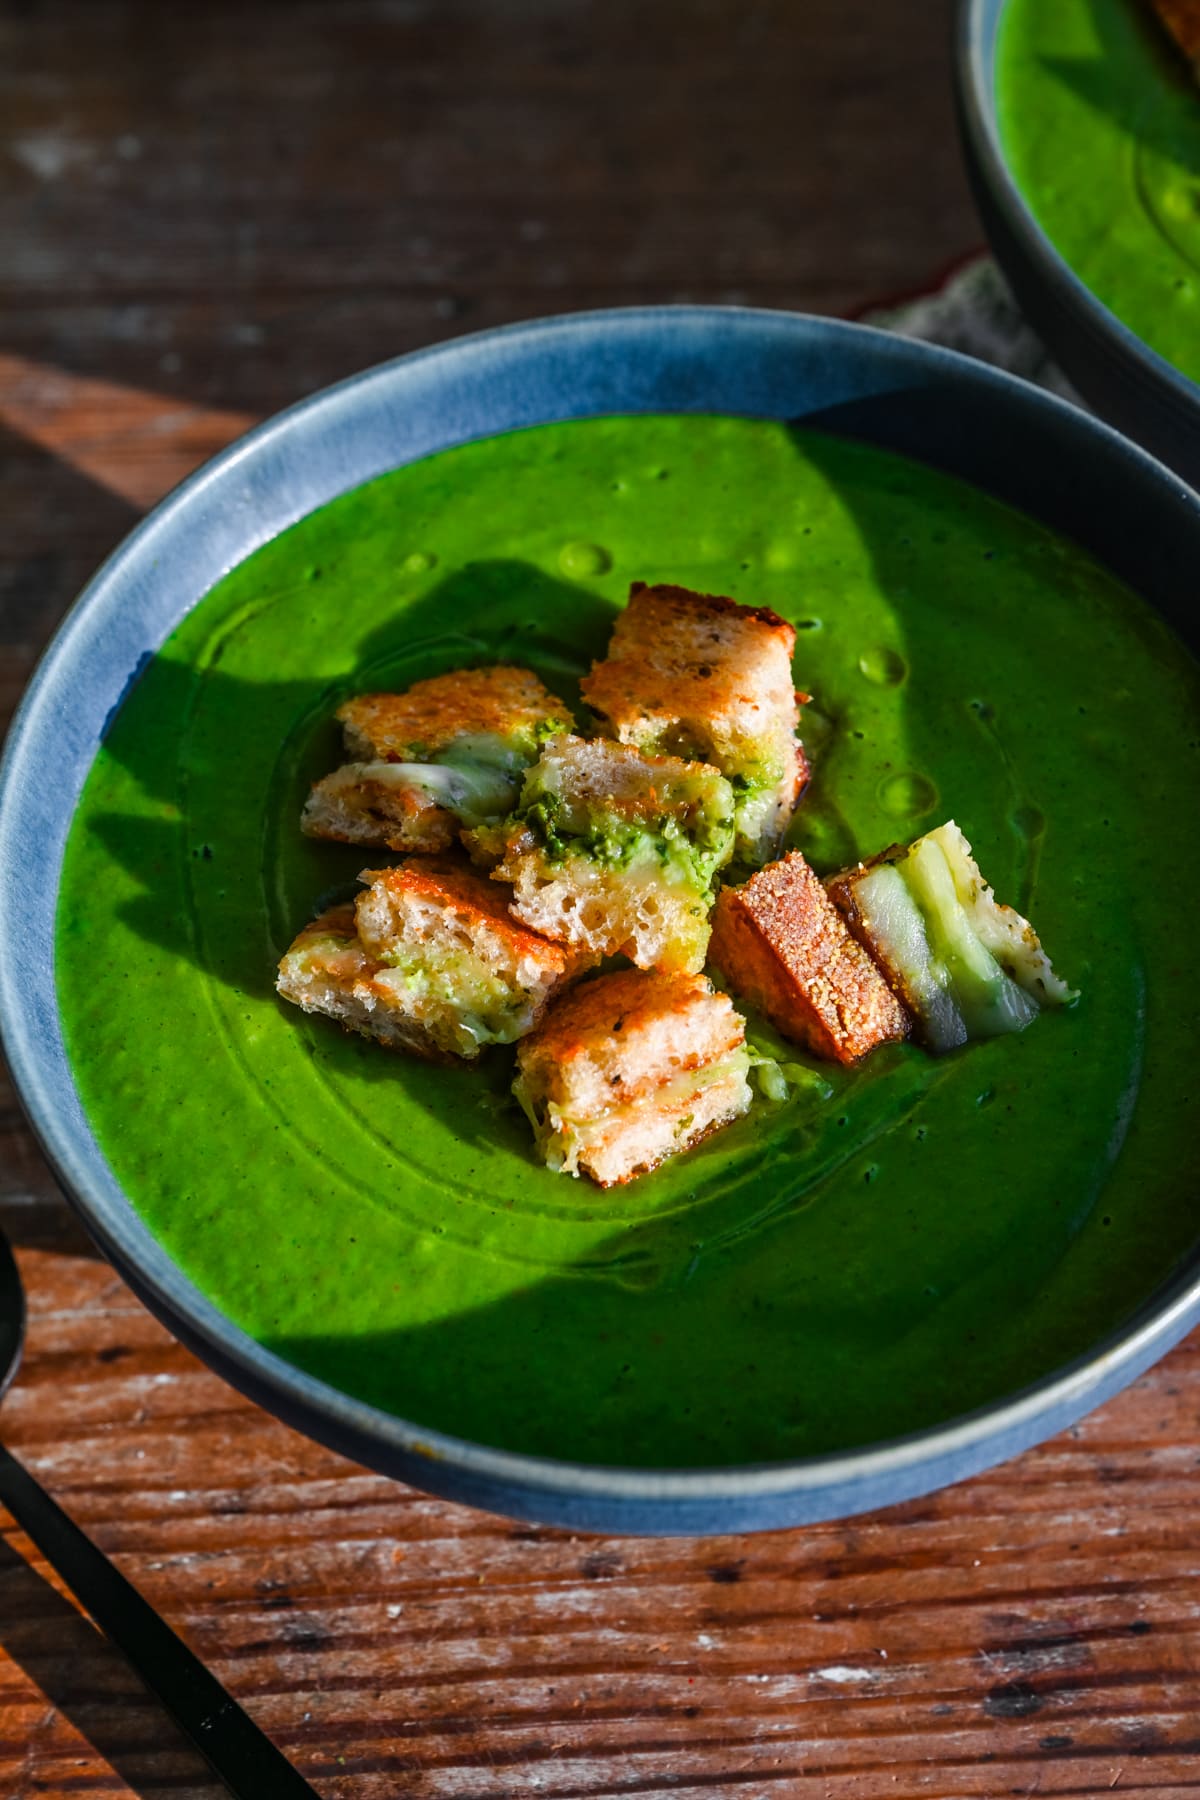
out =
column 627, row 1032
column 416, row 725
column 697, row 604
column 695, row 661
column 781, row 943
column 379, row 816
column 631, row 1068
column 380, row 965
column 337, row 978
column 474, row 899
column 840, row 889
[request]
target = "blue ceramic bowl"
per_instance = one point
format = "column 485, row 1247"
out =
column 1112, row 368
column 1044, row 457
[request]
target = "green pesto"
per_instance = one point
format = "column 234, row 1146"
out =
column 612, row 843
column 887, row 1246
column 488, row 1010
column 691, row 850
column 1100, row 120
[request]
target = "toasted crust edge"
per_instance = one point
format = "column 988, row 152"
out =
column 712, row 603
column 761, row 963
column 840, row 889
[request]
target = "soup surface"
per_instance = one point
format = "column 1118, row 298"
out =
column 892, row 1244
column 1100, row 122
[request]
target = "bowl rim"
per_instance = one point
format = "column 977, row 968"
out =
column 884, row 1470
column 977, row 27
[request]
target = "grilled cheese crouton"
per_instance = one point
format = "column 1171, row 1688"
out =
column 1181, row 19
column 698, row 676
column 965, row 966
column 427, row 960
column 781, row 943
column 629, row 1069
column 327, row 970
column 447, row 753
column 616, row 852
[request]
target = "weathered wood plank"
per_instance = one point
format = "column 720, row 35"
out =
column 1038, row 1621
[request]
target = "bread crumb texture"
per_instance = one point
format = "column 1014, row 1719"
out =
column 630, row 1068
column 781, row 943
column 427, row 960
column 486, row 723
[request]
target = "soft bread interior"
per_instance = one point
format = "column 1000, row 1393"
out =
column 352, row 806
column 634, row 912
column 630, row 1068
column 697, row 675
column 627, row 1140
column 328, row 971
column 616, row 851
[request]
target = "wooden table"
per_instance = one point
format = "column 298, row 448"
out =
column 205, row 212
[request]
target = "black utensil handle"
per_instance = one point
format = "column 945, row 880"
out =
column 228, row 1739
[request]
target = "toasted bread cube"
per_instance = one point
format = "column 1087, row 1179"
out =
column 699, row 676
column 780, row 943
column 428, row 960
column 379, row 806
column 614, row 852
column 629, row 1069
column 327, row 970
column 1181, row 18
column 502, row 703
column 965, row 966
column 448, row 753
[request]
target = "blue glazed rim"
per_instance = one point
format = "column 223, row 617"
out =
column 1112, row 367
column 1036, row 452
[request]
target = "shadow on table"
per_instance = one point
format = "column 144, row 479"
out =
column 94, row 1688
column 44, row 1221
column 43, row 565
column 42, row 569
column 34, row 1214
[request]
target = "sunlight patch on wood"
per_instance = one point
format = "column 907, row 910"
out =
column 135, row 444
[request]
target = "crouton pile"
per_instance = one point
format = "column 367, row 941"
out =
column 534, row 853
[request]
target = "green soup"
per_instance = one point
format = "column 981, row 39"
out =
column 889, row 1246
column 1100, row 122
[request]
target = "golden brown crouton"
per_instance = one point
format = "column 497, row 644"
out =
column 446, row 754
column 616, row 852
column 697, row 675
column 782, row 944
column 327, row 970
column 629, row 1069
column 416, row 726
column 428, row 960
column 378, row 806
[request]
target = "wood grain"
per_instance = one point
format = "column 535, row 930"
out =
column 205, row 213
column 1033, row 1630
